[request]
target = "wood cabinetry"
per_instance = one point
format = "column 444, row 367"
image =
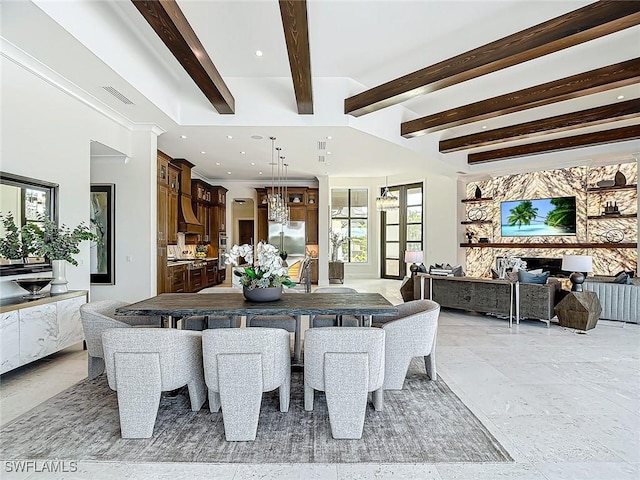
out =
column 298, row 213
column 209, row 205
column 195, row 279
column 211, row 271
column 177, row 279
column 219, row 209
column 162, row 235
column 172, row 206
column 312, row 225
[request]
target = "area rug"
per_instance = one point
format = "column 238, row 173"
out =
column 423, row 423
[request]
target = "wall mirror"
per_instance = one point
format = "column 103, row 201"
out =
column 26, row 198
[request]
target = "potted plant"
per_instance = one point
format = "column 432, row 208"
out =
column 59, row 244
column 263, row 279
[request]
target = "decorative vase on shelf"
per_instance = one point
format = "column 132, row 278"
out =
column 270, row 294
column 59, row 282
column 478, row 192
column 620, row 179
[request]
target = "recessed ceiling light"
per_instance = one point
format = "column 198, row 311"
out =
column 229, row 136
column 329, row 137
column 218, row 163
column 253, row 163
column 259, row 53
column 243, row 153
column 228, row 173
column 259, row 173
column 256, row 137
column 328, row 153
column 203, row 152
column 620, row 97
column 484, row 127
column 183, row 136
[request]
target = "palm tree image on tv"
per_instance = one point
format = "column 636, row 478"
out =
column 564, row 213
column 522, row 214
column 538, row 217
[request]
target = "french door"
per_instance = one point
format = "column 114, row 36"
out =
column 401, row 230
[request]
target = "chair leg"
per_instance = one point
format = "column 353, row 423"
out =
column 346, row 382
column 240, row 381
column 378, row 399
column 214, row 401
column 430, row 365
column 395, row 371
column 308, row 397
column 197, row 393
column 95, row 367
column 139, row 384
column 285, row 392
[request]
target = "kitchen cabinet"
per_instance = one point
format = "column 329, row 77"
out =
column 211, row 271
column 311, row 226
column 172, row 206
column 219, row 210
column 162, row 219
column 298, row 213
column 263, row 224
column 177, row 278
column 195, row 279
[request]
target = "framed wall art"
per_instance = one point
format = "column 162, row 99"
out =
column 103, row 215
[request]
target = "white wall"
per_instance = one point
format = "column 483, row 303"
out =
column 46, row 134
column 135, row 213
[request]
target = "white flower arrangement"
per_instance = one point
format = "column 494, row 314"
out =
column 267, row 271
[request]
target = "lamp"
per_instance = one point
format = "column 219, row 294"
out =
column 579, row 265
column 413, row 257
column 387, row 201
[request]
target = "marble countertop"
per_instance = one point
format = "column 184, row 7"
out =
column 187, row 261
column 16, row 303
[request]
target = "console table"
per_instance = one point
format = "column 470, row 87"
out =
column 33, row 329
column 469, row 293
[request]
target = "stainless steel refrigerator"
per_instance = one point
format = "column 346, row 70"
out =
column 290, row 237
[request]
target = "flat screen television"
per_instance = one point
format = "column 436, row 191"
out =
column 538, row 217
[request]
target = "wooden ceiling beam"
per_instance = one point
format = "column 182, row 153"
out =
column 567, row 143
column 170, row 24
column 587, row 83
column 592, row 21
column 296, row 34
column 560, row 123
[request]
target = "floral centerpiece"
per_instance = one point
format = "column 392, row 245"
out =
column 267, row 271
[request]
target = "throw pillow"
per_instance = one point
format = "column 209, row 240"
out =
column 631, row 273
column 623, row 278
column 528, row 277
column 535, row 272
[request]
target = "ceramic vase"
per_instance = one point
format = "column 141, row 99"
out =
column 270, row 294
column 59, row 282
column 478, row 193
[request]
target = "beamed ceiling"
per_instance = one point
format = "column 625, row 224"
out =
column 399, row 86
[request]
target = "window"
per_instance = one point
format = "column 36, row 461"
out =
column 401, row 230
column 350, row 218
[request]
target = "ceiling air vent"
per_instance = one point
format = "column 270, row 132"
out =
column 321, row 158
column 322, row 145
column 118, row 95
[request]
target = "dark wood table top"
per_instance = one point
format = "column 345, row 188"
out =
column 188, row 304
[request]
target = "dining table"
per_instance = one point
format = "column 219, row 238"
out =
column 179, row 305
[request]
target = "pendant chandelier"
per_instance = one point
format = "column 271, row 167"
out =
column 387, row 201
column 277, row 209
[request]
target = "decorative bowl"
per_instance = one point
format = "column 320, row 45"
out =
column 33, row 286
column 606, row 183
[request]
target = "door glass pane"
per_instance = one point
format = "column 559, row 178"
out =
column 359, row 202
column 393, row 217
column 414, row 196
column 414, row 214
column 339, row 202
column 392, row 268
column 393, row 250
column 413, row 247
column 358, row 241
column 414, row 233
column 393, row 232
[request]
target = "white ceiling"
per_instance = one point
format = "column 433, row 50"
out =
column 355, row 45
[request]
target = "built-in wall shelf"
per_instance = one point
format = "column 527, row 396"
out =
column 611, row 189
column 549, row 245
column 476, row 222
column 470, row 200
column 619, row 215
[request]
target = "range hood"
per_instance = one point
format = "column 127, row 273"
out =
column 187, row 221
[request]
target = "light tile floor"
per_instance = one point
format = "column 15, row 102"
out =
column 565, row 405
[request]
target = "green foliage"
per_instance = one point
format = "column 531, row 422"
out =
column 522, row 214
column 60, row 243
column 17, row 243
column 564, row 213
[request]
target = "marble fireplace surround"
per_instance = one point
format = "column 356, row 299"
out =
column 575, row 181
